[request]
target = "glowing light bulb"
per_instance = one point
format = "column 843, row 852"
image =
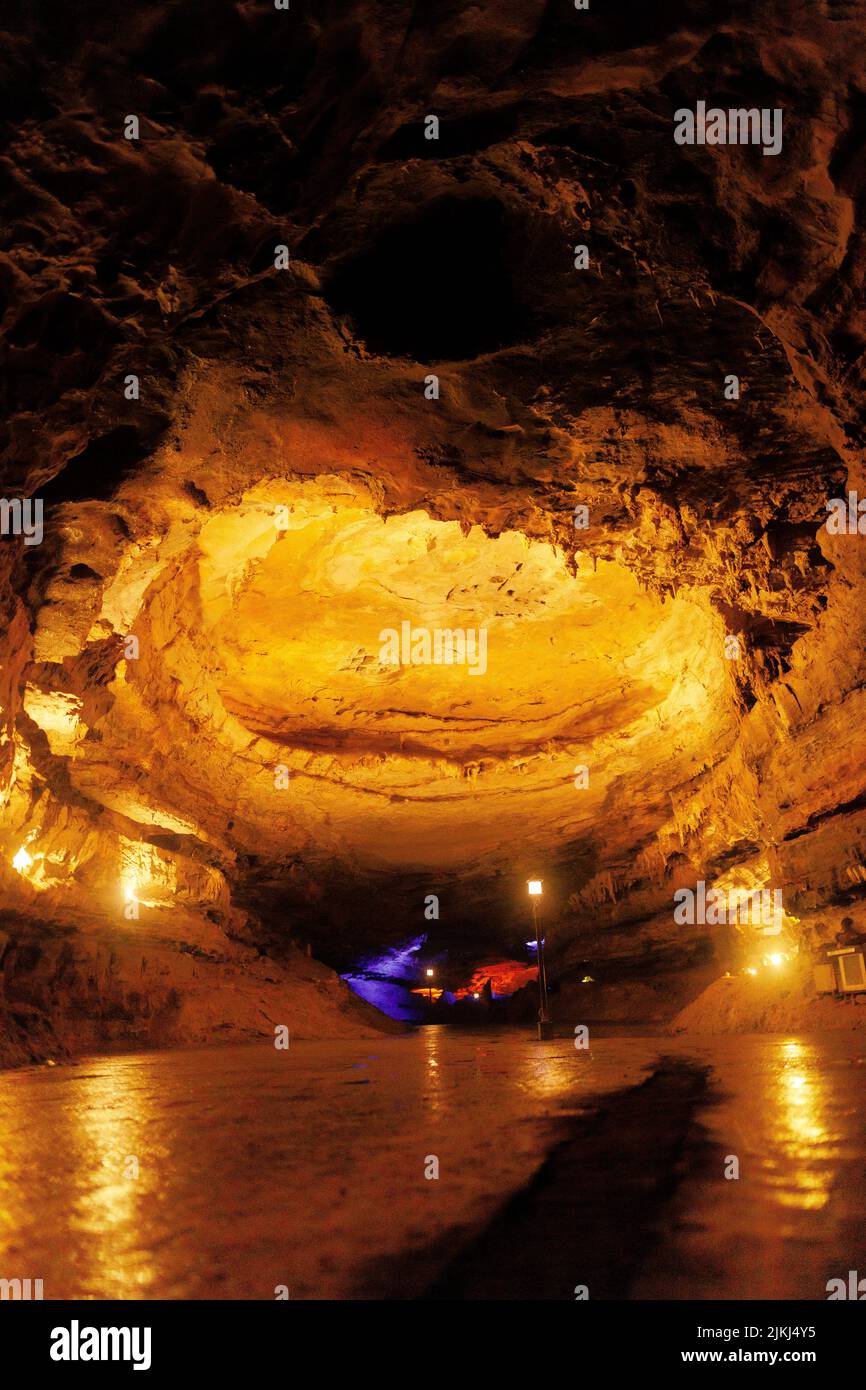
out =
column 534, row 887
column 776, row 959
column 22, row 861
column 751, row 970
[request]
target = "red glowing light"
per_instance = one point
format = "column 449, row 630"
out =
column 505, row 977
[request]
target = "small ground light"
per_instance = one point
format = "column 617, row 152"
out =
column 430, row 991
column 476, row 996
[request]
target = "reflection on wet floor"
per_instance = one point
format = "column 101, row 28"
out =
column 226, row 1172
column 791, row 1110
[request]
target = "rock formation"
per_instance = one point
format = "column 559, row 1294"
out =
column 288, row 374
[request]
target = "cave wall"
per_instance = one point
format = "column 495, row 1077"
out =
column 282, row 485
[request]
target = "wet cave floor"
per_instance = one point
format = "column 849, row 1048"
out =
column 441, row 1164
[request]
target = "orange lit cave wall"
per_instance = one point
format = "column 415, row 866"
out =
column 505, row 977
column 114, row 932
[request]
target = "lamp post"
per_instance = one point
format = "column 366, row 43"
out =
column 534, row 886
column 430, row 987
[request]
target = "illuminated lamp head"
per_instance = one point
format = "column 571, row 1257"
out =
column 22, row 861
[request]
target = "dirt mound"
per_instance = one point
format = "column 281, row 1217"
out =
column 768, row 1003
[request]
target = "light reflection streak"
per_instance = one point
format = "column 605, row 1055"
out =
column 797, row 1112
column 112, row 1120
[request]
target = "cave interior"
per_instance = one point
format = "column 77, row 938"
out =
column 299, row 387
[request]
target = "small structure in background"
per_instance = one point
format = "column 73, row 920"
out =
column 841, row 969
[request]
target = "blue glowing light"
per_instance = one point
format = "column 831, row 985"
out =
column 386, row 980
column 395, row 964
column 393, row 999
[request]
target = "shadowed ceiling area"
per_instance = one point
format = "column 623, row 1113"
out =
column 392, row 550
